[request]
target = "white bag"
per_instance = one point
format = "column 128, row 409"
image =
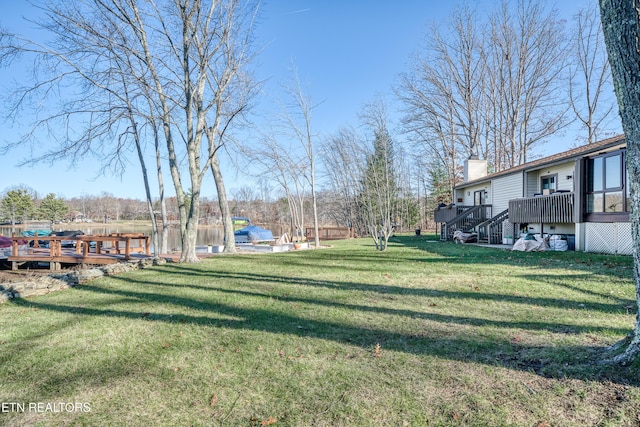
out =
column 558, row 242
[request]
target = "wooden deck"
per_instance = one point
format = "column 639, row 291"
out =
column 82, row 250
column 551, row 209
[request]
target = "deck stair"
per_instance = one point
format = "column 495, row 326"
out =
column 490, row 231
column 465, row 221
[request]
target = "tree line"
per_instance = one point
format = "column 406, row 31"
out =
column 23, row 204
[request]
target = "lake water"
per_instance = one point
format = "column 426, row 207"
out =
column 206, row 236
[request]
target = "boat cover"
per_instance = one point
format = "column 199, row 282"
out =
column 31, row 233
column 6, row 248
column 253, row 234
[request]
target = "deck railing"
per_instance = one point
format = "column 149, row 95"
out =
column 85, row 249
column 447, row 213
column 465, row 221
column 551, row 209
column 490, row 231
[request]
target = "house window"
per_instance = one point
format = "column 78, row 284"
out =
column 606, row 191
column 548, row 184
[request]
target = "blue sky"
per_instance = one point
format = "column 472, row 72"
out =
column 346, row 52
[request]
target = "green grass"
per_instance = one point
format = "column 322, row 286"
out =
column 426, row 333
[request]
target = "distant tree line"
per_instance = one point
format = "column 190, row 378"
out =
column 19, row 205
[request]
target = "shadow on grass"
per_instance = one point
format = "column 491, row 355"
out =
column 206, row 309
column 618, row 307
column 471, row 254
column 410, row 314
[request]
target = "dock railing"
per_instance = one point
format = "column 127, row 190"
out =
column 85, row 249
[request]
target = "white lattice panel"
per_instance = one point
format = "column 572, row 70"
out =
column 600, row 237
column 625, row 240
column 608, row 238
column 507, row 228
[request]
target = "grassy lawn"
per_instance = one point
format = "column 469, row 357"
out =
column 426, row 333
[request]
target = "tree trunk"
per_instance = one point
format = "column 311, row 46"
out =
column 190, row 231
column 229, row 237
column 314, row 202
column 621, row 28
column 163, row 229
column 189, row 236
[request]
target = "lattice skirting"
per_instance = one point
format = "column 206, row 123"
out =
column 608, row 238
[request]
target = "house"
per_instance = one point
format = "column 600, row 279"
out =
column 581, row 193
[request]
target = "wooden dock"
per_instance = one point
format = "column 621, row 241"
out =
column 81, row 250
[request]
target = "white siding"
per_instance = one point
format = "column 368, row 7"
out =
column 467, row 196
column 532, row 180
column 506, row 188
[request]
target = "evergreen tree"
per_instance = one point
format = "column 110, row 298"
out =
column 52, row 208
column 16, row 204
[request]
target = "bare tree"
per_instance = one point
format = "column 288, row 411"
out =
column 108, row 97
column 299, row 125
column 282, row 163
column 344, row 159
column 378, row 188
column 590, row 75
column 490, row 88
column 444, row 93
column 621, row 28
column 243, row 198
column 184, row 59
column 527, row 51
column 429, row 121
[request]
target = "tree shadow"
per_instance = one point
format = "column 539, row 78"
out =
column 400, row 290
column 208, row 309
column 616, row 265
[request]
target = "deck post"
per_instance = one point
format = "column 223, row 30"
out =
column 127, row 248
column 14, row 244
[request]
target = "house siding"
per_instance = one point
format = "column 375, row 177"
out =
column 467, row 193
column 506, row 188
column 563, row 171
column 532, row 184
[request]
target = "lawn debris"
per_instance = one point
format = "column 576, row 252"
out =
column 377, row 351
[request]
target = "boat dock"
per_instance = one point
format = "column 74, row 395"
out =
column 80, row 250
